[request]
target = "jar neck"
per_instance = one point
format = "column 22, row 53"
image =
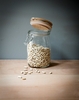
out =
column 38, row 33
column 33, row 33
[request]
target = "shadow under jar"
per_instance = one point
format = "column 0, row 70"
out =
column 38, row 48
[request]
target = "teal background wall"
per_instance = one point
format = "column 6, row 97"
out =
column 15, row 18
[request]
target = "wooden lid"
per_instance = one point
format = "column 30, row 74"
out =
column 41, row 24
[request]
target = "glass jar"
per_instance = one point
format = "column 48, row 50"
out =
column 38, row 48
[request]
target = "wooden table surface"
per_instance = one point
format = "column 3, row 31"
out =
column 62, row 84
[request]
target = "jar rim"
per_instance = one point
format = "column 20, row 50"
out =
column 39, row 32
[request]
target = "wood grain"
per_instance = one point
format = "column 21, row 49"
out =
column 63, row 84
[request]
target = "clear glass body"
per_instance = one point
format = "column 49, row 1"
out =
column 38, row 48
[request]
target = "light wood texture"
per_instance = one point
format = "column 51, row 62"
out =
column 63, row 84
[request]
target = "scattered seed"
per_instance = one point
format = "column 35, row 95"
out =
column 25, row 73
column 19, row 76
column 50, row 72
column 29, row 72
column 43, row 72
column 22, row 72
column 23, row 78
column 38, row 71
column 31, row 69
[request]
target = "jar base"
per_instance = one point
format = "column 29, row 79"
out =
column 38, row 67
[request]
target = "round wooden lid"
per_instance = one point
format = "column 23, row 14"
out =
column 41, row 24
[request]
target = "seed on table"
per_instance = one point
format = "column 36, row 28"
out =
column 43, row 72
column 50, row 72
column 31, row 69
column 23, row 78
column 29, row 72
column 25, row 73
column 38, row 71
column 22, row 72
column 19, row 76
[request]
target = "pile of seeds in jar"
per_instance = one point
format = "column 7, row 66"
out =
column 38, row 56
column 28, row 71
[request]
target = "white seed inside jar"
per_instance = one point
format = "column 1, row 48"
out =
column 38, row 56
